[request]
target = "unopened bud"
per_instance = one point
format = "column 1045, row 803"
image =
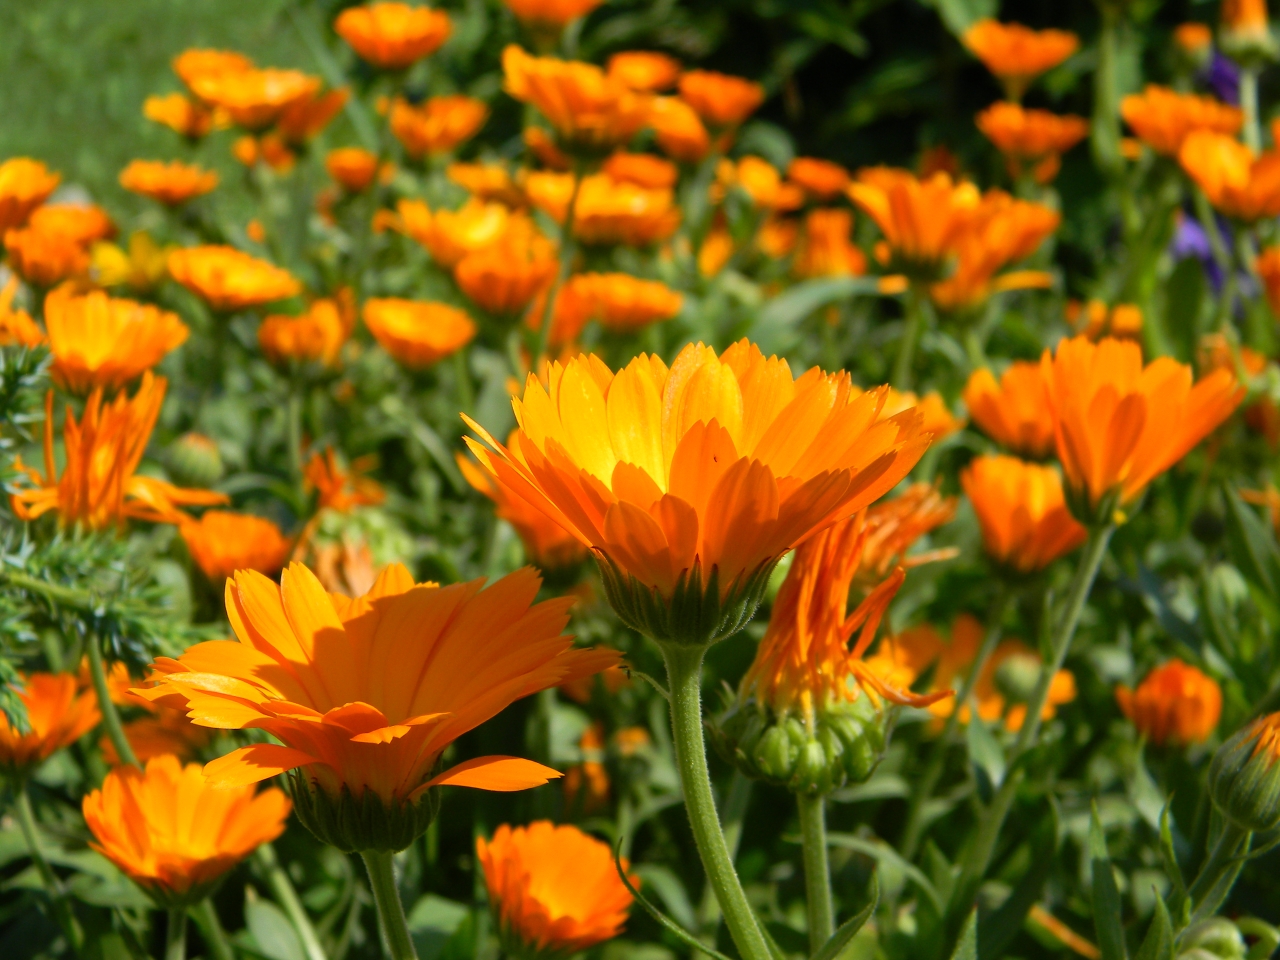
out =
column 1214, row 939
column 1244, row 778
column 194, row 461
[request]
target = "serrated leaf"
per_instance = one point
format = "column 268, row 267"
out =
column 1106, row 897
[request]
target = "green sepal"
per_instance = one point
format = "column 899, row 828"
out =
column 354, row 824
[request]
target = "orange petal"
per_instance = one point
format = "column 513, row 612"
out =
column 500, row 774
column 254, row 763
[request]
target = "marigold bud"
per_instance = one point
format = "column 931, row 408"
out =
column 194, row 461
column 1244, row 778
column 1215, row 937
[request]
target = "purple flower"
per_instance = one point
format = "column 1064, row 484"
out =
column 1223, row 77
column 1191, row 240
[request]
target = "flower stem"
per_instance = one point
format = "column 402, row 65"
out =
column 215, row 938
column 1249, row 105
column 61, row 909
column 175, row 944
column 567, row 250
column 903, row 364
column 1221, row 254
column 684, row 676
column 1215, row 878
column 817, row 870
column 110, row 716
column 287, row 897
column 734, row 810
column 1105, row 129
column 293, row 435
column 387, row 898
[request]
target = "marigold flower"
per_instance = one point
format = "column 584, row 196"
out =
column 1015, row 54
column 721, row 100
column 190, row 65
column 338, row 488
column 254, row 98
column 174, row 834
column 1118, row 425
column 550, row 15
column 301, row 121
column 98, row 487
column 1031, row 135
column 1176, row 704
column 1096, row 320
column 449, row 235
column 222, row 542
column 586, row 784
column 607, row 211
column 361, row 733
column 143, row 265
column 101, row 341
column 418, row 334
column 1236, row 182
column 698, row 477
column 24, row 185
column 1022, row 512
column 894, row 525
column 169, row 183
column 678, row 129
column 644, row 70
column 79, row 223
column 45, row 258
column 554, row 890
column 642, row 169
column 544, row 149
column 589, row 110
column 317, row 335
column 504, row 276
column 821, row 179
column 353, row 167
column 180, row 114
column 623, row 303
column 1246, row 31
column 922, row 220
column 826, row 250
column 487, row 181
column 393, row 36
column 1192, row 38
column 164, row 732
column 439, row 125
column 1268, row 266
column 777, row 237
column 16, row 326
column 1015, row 412
column 59, row 712
column 228, row 279
column 761, row 181
column 269, row 148
column 716, row 250
column 1163, row 118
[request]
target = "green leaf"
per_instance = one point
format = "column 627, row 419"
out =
column 984, row 751
column 999, row 929
column 1252, row 544
column 886, row 855
column 1184, row 294
column 1106, row 897
column 272, row 931
column 680, row 933
column 774, row 325
column 960, row 15
column 1170, row 858
column 670, row 889
column 1158, row 943
column 831, row 949
column 967, row 945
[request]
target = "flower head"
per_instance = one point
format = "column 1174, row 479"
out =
column 720, row 99
column 59, row 712
column 1013, row 413
column 80, row 223
column 1022, row 512
column 1163, row 118
column 1176, row 704
column 141, row 266
column 193, row 65
column 316, row 335
column 487, row 181
column 366, row 693
column 644, row 70
column 554, row 890
column 642, row 169
column 893, row 526
column 821, row 179
column 169, row 183
column 253, row 98
column 826, row 250
column 450, row 235
column 607, row 211
column 353, row 167
column 439, row 125
column 174, row 834
column 16, row 326
column 1268, row 266
column 1031, row 135
column 102, row 341
column 43, row 257
column 1118, row 425
column 418, row 334
column 393, row 36
column 1236, row 182
column 222, row 542
column 1193, row 38
column 338, row 488
column 1246, row 31
column 301, row 121
column 228, row 279
column 180, row 114
column 1095, row 320
column 678, row 129
column 1244, row 777
column 623, row 303
column 1018, row 54
column 24, row 185
column 504, row 276
column 922, row 220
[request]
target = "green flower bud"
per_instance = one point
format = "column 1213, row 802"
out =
column 1244, row 778
column 1217, row 938
column 367, row 822
column 1017, row 676
column 194, row 461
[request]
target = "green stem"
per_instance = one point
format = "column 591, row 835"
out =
column 466, row 394
column 387, row 898
column 1105, row 129
column 684, row 678
column 287, row 897
column 175, row 944
column 1249, row 105
column 110, row 716
column 294, row 427
column 57, row 897
column 1221, row 254
column 1215, row 878
column 734, row 811
column 567, row 250
column 914, row 320
column 215, row 938
column 817, row 870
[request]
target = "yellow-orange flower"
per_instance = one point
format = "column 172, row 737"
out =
column 1118, row 425
column 98, row 487
column 543, row 146
column 24, row 185
column 144, row 264
column 338, row 488
column 1236, row 182
column 550, row 14
column 228, row 279
column 502, row 277
column 1163, row 118
column 644, row 70
column 1032, row 135
column 701, row 474
column 1022, row 512
column 222, row 542
column 418, row 334
column 302, row 120
column 45, row 258
column 59, row 712
column 101, row 341
column 1175, row 704
column 269, row 148
column 169, row 183
column 922, row 220
column 586, row 784
column 893, row 526
column 821, row 179
column 1017, row 54
column 624, row 303
column 935, row 417
column 317, row 335
column 180, row 114
column 721, row 100
column 642, row 169
column 1013, row 413
column 254, row 98
column 487, row 181
column 79, row 223
column 439, row 125
column 1096, row 320
column 450, row 235
column 1192, row 38
column 1268, row 266
column 313, row 669
column 678, row 129
column 554, row 890
column 393, row 36
column 607, row 211
column 192, row 65
column 825, row 249
column 353, row 167
column 760, row 180
column 174, row 834
column 1246, row 31
column 589, row 110
column 16, row 326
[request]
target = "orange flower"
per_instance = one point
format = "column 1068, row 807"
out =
column 1018, row 54
column 44, row 258
column 586, row 785
column 254, row 98
column 166, row 732
column 317, row 335
column 721, row 100
column 487, row 181
column 58, row 714
column 418, row 334
column 302, row 120
column 624, row 303
column 193, row 65
column 393, row 36
column 180, row 114
column 644, row 70
column 1096, row 320
column 1032, row 135
column 893, row 526
column 1014, row 413
column 169, row 183
column 777, row 237
column 16, row 326
column 543, row 146
column 1193, row 38
column 502, row 277
column 438, row 126
column 717, row 248
column 698, row 477
column 1118, row 425
column 362, row 732
column 1246, row 31
column 1268, row 267
column 760, row 180
column 353, row 167
column 79, row 223
column 1175, row 705
column 1021, row 510
column 607, row 211
column 678, row 129
column 228, row 279
column 1164, row 118
column 24, row 185
column 936, row 418
column 554, row 890
column 550, row 14
column 101, row 341
column 338, row 488
column 174, row 834
column 222, row 542
column 450, row 235
column 1236, row 182
column 826, row 250
column 821, row 179
column 642, row 169
column 589, row 110
column 143, row 265
column 98, row 487
column 922, row 220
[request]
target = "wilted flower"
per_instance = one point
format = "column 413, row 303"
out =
column 316, row 335
column 353, row 167
column 642, row 169
column 678, row 129
column 893, row 526
column 222, row 542
column 169, row 183
column 821, row 179
column 721, row 100
column 254, row 98
column 1015, row 54
column 644, row 70
column 418, row 334
column 1164, row 118
column 24, row 185
column 1035, row 136
column 59, row 712
column 1176, row 704
column 393, row 36
column 554, row 890
column 1015, row 412
column 180, row 114
column 439, row 125
column 338, row 488
column 1236, row 182
column 825, row 249
column 174, row 834
column 922, row 220
column 228, row 279
column 1022, row 512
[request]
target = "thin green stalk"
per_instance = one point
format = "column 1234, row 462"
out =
column 817, row 869
column 733, row 812
column 466, row 393
column 916, row 300
column 386, row 897
column 287, row 897
column 567, row 250
column 1105, row 129
column 1252, row 131
column 215, row 938
column 1214, row 880
column 175, row 944
column 684, row 682
column 293, row 419
column 110, row 716
column 57, row 896
column 1221, row 255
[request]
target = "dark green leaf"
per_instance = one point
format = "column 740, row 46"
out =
column 1170, row 858
column 967, row 945
column 831, row 949
column 1252, row 544
column 1158, row 943
column 999, row 929
column 1106, row 897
